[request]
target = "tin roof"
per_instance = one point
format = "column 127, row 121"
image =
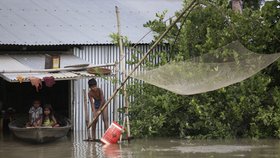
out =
column 10, row 64
column 77, row 22
column 37, row 61
column 13, row 66
column 12, row 77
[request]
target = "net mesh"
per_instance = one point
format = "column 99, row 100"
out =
column 219, row 68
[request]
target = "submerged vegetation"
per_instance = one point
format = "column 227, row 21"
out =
column 247, row 109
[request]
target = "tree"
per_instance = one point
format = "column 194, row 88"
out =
column 248, row 109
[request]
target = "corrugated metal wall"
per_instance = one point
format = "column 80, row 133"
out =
column 99, row 54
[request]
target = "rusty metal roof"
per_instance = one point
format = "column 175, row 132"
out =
column 77, row 22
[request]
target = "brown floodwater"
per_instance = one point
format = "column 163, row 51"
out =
column 73, row 146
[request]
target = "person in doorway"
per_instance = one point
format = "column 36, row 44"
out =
column 48, row 117
column 35, row 114
column 97, row 100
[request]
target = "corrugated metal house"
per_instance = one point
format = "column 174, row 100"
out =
column 77, row 30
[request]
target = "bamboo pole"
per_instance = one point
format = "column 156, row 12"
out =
column 140, row 62
column 116, row 79
column 123, row 72
column 55, row 70
column 122, row 54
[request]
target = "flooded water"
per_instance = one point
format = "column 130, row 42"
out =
column 73, row 146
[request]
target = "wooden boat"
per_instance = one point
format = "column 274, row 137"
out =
column 39, row 134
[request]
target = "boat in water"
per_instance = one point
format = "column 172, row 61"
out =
column 39, row 134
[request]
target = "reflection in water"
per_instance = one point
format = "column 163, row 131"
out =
column 74, row 146
column 112, row 150
column 83, row 148
column 213, row 149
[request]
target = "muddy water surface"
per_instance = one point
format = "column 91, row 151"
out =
column 73, row 146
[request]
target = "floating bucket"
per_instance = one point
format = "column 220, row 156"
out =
column 112, row 134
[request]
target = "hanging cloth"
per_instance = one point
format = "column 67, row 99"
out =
column 36, row 82
column 49, row 81
column 20, row 78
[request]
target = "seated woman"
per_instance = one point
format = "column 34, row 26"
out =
column 48, row 117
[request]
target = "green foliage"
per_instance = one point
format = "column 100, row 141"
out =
column 247, row 109
column 253, row 4
column 116, row 39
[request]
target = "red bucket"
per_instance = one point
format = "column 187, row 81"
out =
column 112, row 134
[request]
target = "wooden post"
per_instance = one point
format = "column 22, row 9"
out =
column 1, row 124
column 86, row 112
column 141, row 60
column 236, row 6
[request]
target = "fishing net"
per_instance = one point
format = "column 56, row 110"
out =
column 219, row 68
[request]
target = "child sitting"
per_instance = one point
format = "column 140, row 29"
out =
column 35, row 114
column 48, row 117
